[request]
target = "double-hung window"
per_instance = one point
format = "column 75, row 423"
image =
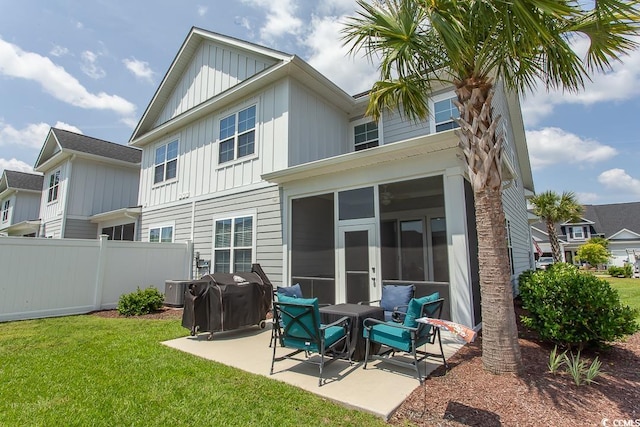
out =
column 237, row 135
column 161, row 234
column 54, row 183
column 578, row 233
column 166, row 164
column 444, row 111
column 365, row 136
column 233, row 244
column 5, row 210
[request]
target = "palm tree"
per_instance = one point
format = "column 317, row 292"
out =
column 471, row 44
column 553, row 208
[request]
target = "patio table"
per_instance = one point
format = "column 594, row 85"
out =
column 357, row 313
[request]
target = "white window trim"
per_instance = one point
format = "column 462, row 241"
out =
column 573, row 234
column 361, row 121
column 5, row 206
column 160, row 226
column 253, row 213
column 49, row 187
column 257, row 128
column 165, row 142
column 432, row 101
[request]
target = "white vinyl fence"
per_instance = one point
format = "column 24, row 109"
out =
column 56, row 277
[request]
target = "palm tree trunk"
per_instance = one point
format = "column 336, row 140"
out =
column 553, row 239
column 483, row 155
column 500, row 348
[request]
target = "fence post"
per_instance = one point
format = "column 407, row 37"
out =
column 102, row 262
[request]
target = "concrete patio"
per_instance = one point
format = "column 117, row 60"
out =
column 379, row 389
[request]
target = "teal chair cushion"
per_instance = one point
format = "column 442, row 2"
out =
column 415, row 305
column 389, row 335
column 301, row 332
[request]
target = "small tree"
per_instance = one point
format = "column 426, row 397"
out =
column 593, row 253
column 600, row 241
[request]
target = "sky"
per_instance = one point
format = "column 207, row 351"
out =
column 93, row 66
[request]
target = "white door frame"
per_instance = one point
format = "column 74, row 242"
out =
column 374, row 268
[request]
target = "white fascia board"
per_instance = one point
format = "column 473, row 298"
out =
column 385, row 153
column 116, row 214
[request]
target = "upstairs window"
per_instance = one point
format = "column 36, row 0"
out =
column 233, row 245
column 5, row 210
column 577, row 233
column 237, row 135
column 365, row 136
column 166, row 165
column 54, row 183
column 444, row 111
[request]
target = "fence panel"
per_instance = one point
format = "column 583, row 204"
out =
column 56, row 277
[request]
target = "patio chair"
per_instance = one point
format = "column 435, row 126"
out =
column 395, row 300
column 301, row 331
column 292, row 291
column 408, row 336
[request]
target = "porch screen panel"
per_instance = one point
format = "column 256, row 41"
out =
column 354, row 204
column 412, row 250
column 313, row 246
column 439, row 249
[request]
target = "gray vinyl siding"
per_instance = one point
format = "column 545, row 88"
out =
column 395, row 128
column 80, row 229
column 317, row 128
column 268, row 228
column 214, row 68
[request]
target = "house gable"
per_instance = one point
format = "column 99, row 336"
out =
column 624, row 234
column 206, row 65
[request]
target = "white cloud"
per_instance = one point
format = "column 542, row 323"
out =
column 330, row 57
column 280, row 20
column 620, row 181
column 336, row 7
column 54, row 79
column 14, row 165
column 587, row 198
column 139, row 69
column 31, row 136
column 620, row 84
column 202, row 10
column 90, row 67
column 59, row 51
column 553, row 145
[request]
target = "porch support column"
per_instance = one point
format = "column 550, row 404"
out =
column 458, row 248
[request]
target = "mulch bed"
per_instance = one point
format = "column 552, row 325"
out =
column 467, row 395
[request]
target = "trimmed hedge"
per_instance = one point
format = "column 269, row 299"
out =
column 574, row 309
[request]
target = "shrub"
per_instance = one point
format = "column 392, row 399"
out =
column 140, row 302
column 625, row 271
column 571, row 308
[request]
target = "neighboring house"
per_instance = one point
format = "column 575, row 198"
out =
column 619, row 223
column 90, row 187
column 20, row 203
column 257, row 157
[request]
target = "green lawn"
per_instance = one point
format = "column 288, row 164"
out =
column 628, row 289
column 87, row 370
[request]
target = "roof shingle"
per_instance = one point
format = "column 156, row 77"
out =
column 95, row 146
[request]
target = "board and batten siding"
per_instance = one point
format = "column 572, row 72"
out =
column 97, row 187
column 80, row 229
column 213, row 69
column 52, row 210
column 199, row 172
column 199, row 216
column 317, row 128
column 25, row 207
